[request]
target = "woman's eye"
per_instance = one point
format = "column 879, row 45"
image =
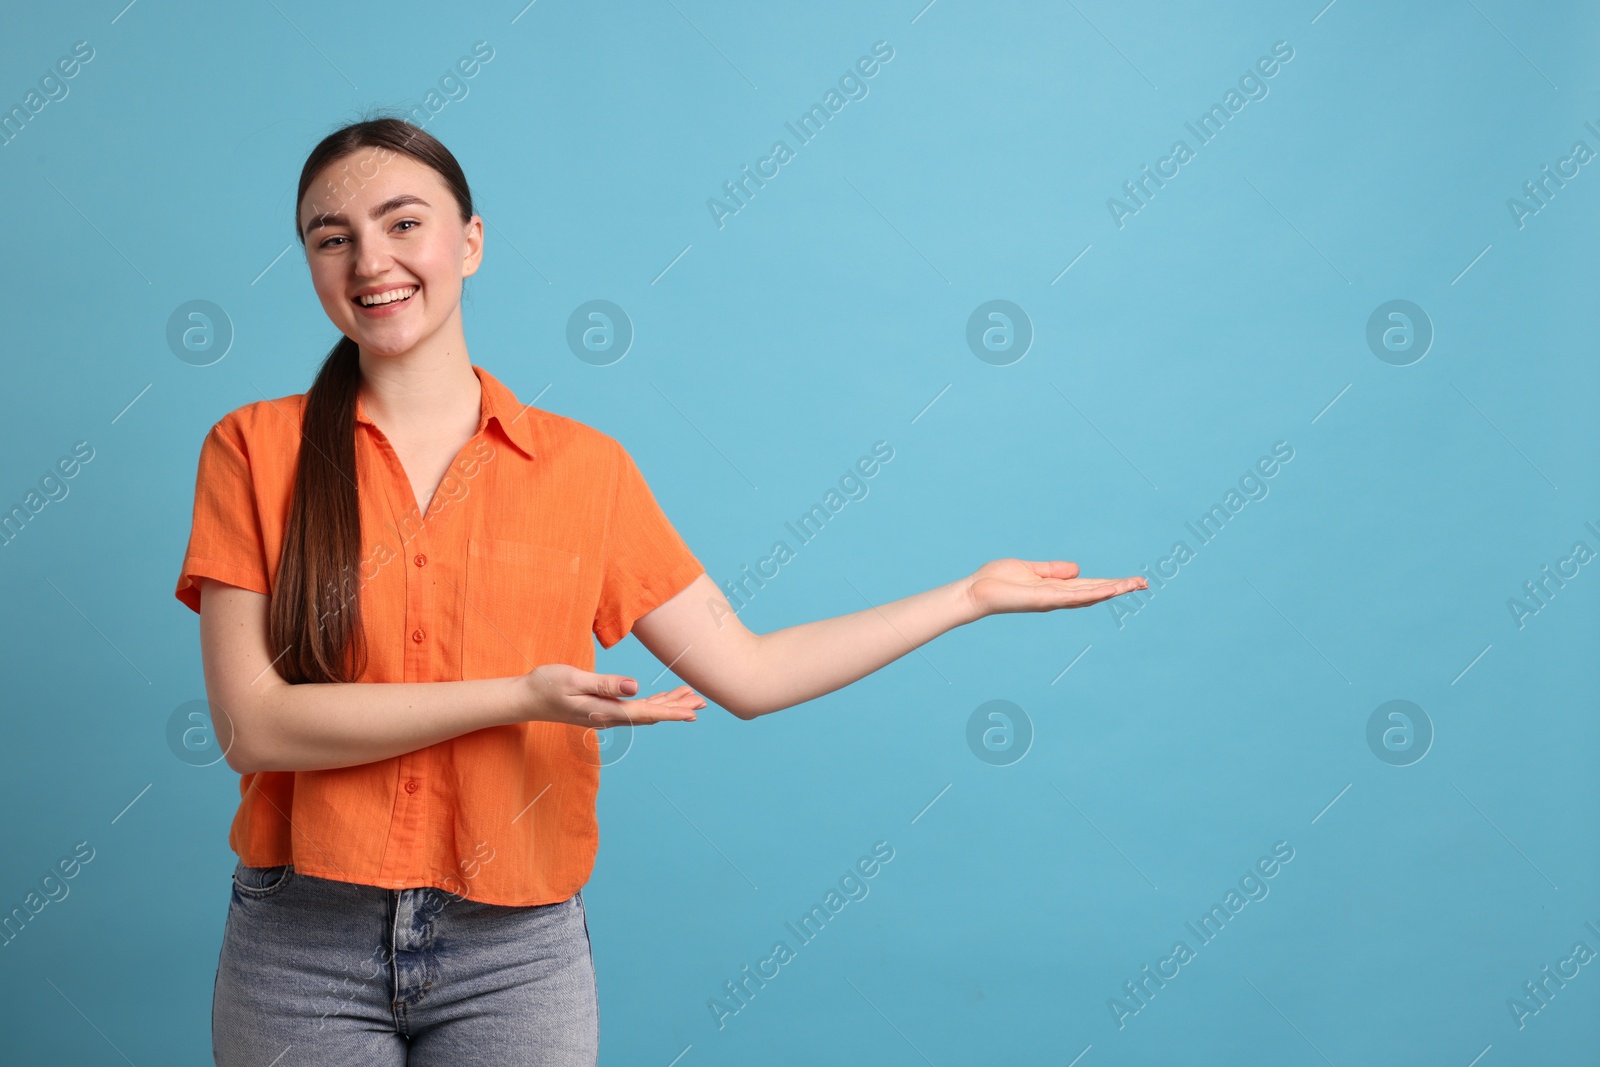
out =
column 403, row 222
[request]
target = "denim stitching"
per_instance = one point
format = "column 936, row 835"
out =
column 594, row 977
column 258, row 892
column 396, row 1008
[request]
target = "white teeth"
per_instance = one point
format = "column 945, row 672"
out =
column 387, row 298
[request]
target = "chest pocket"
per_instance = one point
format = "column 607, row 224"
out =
column 519, row 606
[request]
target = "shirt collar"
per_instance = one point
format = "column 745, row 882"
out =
column 498, row 403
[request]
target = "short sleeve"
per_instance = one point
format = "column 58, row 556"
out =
column 225, row 539
column 645, row 563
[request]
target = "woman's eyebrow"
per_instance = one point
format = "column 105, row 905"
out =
column 337, row 218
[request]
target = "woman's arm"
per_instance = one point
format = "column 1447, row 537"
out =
column 263, row 723
column 700, row 637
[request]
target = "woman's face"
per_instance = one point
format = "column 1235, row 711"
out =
column 378, row 221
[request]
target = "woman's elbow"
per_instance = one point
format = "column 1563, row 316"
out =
column 746, row 707
column 238, row 763
column 235, row 751
column 233, row 727
column 735, row 694
column 736, row 704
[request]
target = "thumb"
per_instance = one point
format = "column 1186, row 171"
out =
column 612, row 685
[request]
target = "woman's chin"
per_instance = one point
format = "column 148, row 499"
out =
column 384, row 343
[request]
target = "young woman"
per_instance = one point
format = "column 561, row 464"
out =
column 397, row 574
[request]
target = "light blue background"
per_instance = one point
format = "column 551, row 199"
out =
column 1230, row 313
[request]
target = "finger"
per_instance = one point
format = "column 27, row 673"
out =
column 688, row 701
column 607, row 719
column 602, row 713
column 1095, row 590
column 680, row 694
column 609, row 685
column 1096, row 583
column 683, row 696
column 1052, row 568
column 670, row 694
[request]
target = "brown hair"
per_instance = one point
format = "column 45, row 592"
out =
column 318, row 573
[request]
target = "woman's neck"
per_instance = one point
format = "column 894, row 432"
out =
column 422, row 401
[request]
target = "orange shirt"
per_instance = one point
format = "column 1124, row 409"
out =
column 542, row 532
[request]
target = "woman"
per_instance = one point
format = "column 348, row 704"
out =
column 412, row 848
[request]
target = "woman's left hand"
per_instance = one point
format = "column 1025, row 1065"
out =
column 1007, row 585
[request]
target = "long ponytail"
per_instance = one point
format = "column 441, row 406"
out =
column 318, row 576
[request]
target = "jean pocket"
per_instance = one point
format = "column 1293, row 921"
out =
column 257, row 883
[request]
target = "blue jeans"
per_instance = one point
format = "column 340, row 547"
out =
column 327, row 973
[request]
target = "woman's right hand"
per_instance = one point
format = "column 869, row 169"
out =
column 560, row 692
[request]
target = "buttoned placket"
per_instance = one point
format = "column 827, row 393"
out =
column 411, row 546
column 423, row 658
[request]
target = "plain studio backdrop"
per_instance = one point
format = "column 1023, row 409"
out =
column 1370, row 269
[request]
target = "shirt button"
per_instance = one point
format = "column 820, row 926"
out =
column 416, row 635
column 411, row 785
column 420, row 559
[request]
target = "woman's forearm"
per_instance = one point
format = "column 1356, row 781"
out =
column 802, row 662
column 321, row 725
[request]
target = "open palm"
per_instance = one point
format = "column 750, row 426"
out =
column 1007, row 585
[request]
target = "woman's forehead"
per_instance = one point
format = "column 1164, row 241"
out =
column 364, row 178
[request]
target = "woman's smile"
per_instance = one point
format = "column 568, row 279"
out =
column 388, row 301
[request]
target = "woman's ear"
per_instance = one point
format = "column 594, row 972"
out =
column 474, row 247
